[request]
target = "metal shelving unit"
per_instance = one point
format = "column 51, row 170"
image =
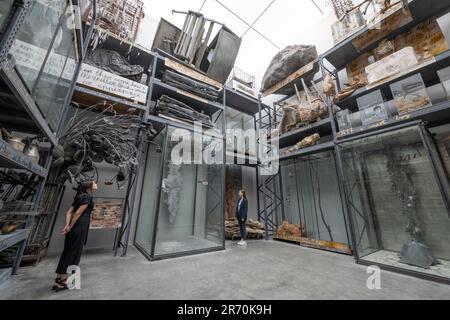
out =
column 199, row 104
column 343, row 53
column 427, row 71
column 21, row 112
column 7, row 241
column 437, row 114
column 11, row 158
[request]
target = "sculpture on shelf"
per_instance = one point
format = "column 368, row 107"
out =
column 172, row 186
column 288, row 61
column 311, row 107
column 305, row 143
column 173, row 108
column 290, row 118
column 113, row 62
column 190, row 85
column 414, row 252
column 92, row 137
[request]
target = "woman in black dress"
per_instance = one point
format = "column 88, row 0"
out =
column 76, row 229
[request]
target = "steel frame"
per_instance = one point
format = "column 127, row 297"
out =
column 13, row 23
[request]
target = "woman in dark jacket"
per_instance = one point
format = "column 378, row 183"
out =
column 78, row 219
column 241, row 216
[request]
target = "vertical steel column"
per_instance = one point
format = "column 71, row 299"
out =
column 158, row 202
column 224, row 166
column 13, row 24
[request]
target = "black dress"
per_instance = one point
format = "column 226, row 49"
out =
column 77, row 237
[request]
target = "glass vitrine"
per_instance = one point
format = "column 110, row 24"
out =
column 397, row 204
column 182, row 204
column 45, row 55
column 312, row 201
column 240, row 122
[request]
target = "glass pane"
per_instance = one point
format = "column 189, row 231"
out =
column 5, row 6
column 400, row 216
column 312, row 201
column 35, row 37
column 149, row 196
column 188, row 219
column 54, row 82
column 290, row 195
column 239, row 121
column 208, row 223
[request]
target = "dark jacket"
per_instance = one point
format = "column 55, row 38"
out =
column 241, row 214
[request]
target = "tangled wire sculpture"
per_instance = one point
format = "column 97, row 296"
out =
column 93, row 137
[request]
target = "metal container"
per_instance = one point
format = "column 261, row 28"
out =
column 16, row 143
column 32, row 151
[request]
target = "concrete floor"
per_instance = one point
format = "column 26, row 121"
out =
column 263, row 270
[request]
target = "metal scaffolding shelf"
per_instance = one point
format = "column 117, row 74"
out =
column 135, row 53
column 427, row 70
column 325, row 146
column 322, row 127
column 434, row 115
column 345, row 52
column 199, row 104
column 23, row 102
column 12, row 158
column 239, row 101
column 18, row 237
column 164, row 62
column 90, row 97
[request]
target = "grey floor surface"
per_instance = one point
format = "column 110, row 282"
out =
column 263, row 270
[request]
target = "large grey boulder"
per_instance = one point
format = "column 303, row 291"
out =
column 287, row 62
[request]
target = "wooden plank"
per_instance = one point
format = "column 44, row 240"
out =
column 181, row 68
column 193, row 96
column 296, row 75
column 295, row 240
column 325, row 245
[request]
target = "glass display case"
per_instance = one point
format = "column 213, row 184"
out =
column 182, row 205
column 397, row 204
column 236, row 120
column 410, row 94
column 45, row 55
column 312, row 202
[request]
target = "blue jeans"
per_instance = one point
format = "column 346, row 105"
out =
column 243, row 230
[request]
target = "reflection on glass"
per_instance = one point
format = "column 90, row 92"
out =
column 190, row 213
column 397, row 209
column 5, row 6
column 35, row 37
column 239, row 121
column 149, row 195
column 311, row 198
column 45, row 55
